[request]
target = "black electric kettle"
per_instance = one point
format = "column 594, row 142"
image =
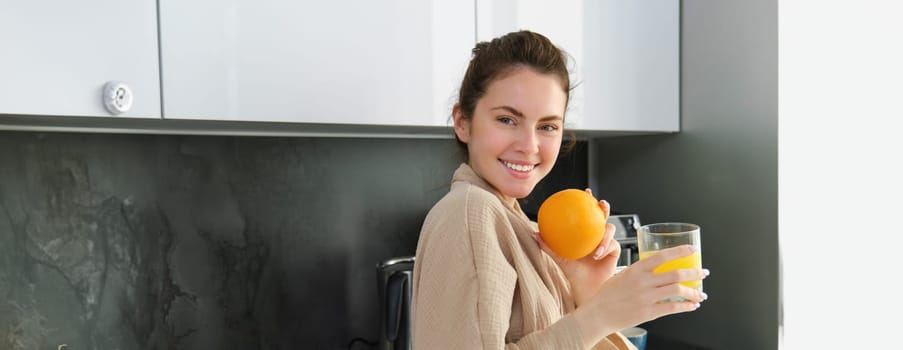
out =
column 394, row 285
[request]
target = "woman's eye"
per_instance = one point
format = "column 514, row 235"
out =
column 506, row 120
column 548, row 127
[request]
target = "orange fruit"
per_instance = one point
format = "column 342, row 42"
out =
column 572, row 223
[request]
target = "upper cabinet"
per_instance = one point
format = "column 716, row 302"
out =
column 391, row 62
column 329, row 65
column 632, row 65
column 626, row 57
column 59, row 55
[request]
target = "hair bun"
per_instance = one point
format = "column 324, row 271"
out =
column 481, row 46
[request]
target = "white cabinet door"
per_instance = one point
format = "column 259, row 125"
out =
column 561, row 21
column 625, row 56
column 58, row 55
column 632, row 67
column 391, row 62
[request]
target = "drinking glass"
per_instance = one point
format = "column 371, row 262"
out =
column 652, row 238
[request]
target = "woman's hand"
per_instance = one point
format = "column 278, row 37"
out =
column 586, row 275
column 635, row 295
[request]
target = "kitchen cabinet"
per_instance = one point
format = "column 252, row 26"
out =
column 339, row 62
column 625, row 57
column 58, row 56
column 340, row 67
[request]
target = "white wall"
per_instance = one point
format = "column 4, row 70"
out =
column 841, row 83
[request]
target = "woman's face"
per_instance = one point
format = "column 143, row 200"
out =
column 514, row 135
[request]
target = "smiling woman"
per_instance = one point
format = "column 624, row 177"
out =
column 513, row 96
column 484, row 279
column 514, row 133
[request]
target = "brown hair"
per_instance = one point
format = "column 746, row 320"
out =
column 493, row 59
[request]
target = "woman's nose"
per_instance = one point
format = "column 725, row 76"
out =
column 528, row 141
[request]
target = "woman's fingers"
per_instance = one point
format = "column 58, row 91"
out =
column 610, row 248
column 664, row 255
column 605, row 245
column 606, row 207
column 669, row 308
column 677, row 290
column 679, row 275
column 667, row 284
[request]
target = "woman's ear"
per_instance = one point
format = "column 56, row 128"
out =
column 462, row 125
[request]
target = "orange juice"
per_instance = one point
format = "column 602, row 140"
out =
column 693, row 261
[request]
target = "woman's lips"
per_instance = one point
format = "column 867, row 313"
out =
column 518, row 170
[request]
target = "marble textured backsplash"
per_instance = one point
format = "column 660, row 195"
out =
column 206, row 242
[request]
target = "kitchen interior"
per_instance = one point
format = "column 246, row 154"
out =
column 228, row 175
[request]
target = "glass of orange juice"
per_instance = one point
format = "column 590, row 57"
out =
column 654, row 237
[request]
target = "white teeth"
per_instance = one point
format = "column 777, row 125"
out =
column 518, row 167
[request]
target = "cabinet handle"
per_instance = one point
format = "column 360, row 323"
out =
column 117, row 97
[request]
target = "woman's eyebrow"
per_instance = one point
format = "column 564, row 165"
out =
column 509, row 109
column 518, row 113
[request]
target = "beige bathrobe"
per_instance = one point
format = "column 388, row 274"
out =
column 482, row 282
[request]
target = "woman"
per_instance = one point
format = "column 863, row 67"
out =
column 483, row 278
